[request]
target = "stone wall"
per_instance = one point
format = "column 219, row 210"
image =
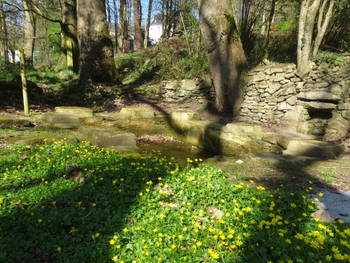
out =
column 318, row 105
column 186, row 90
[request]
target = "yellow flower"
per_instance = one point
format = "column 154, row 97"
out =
column 112, row 242
column 213, row 254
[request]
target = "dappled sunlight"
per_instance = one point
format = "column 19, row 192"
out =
column 136, row 208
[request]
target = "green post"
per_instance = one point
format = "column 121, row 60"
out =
column 24, row 84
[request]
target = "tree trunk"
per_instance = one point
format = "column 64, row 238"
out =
column 269, row 24
column 137, row 25
column 123, row 42
column 96, row 47
column 3, row 34
column 24, row 83
column 224, row 51
column 322, row 24
column 306, row 27
column 148, row 22
column 116, row 25
column 69, row 34
column 29, row 28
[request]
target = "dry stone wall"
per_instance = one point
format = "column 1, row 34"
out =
column 318, row 105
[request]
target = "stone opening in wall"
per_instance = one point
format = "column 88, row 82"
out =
column 320, row 114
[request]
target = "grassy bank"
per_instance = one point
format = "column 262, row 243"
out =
column 80, row 203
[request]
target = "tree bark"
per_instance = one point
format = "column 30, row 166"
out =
column 224, row 51
column 269, row 23
column 3, row 33
column 123, row 41
column 115, row 9
column 148, row 22
column 322, row 24
column 308, row 12
column 69, row 32
column 96, row 47
column 137, row 25
column 29, row 28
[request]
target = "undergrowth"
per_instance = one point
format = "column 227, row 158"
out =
column 79, row 203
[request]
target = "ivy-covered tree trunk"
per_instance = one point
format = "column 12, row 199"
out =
column 224, row 51
column 96, row 47
column 29, row 28
column 70, row 34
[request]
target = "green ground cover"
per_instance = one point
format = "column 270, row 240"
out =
column 79, row 203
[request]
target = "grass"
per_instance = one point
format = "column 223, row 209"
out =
column 135, row 208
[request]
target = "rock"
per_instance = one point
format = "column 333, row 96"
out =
column 109, row 138
column 79, row 112
column 136, row 113
column 258, row 77
column 284, row 106
column 292, row 100
column 243, row 128
column 316, row 85
column 313, row 148
column 61, row 121
column 322, row 214
column 109, row 116
column 39, row 139
column 337, row 127
column 319, row 105
column 318, row 95
column 346, row 114
column 273, row 88
column 184, row 116
column 10, row 123
column 344, row 106
column 216, row 213
column 188, row 85
column 275, row 70
column 334, row 205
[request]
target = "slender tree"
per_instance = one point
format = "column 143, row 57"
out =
column 307, row 46
column 29, row 28
column 148, row 22
column 115, row 10
column 3, row 33
column 96, row 47
column 224, row 51
column 137, row 24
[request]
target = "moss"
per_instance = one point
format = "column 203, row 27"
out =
column 7, row 123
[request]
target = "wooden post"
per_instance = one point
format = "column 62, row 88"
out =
column 24, row 84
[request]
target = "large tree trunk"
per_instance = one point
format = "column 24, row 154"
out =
column 123, row 41
column 322, row 23
column 224, row 51
column 29, row 28
column 137, row 25
column 69, row 32
column 3, row 33
column 96, row 47
column 148, row 22
column 308, row 12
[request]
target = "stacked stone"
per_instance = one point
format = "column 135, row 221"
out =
column 270, row 93
column 320, row 104
column 186, row 90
